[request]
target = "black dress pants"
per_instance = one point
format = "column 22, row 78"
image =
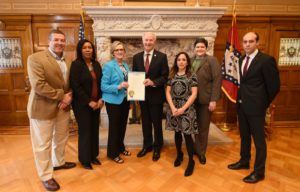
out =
column 88, row 132
column 152, row 116
column 118, row 117
column 251, row 125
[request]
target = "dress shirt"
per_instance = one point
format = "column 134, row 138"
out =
column 61, row 63
column 251, row 57
column 150, row 56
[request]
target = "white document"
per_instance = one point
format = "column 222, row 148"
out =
column 136, row 89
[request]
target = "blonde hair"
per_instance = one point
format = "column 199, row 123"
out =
column 114, row 46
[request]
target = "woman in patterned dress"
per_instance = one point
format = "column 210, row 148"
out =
column 181, row 92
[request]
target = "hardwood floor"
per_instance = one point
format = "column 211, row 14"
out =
column 17, row 170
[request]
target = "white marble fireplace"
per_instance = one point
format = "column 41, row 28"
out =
column 176, row 28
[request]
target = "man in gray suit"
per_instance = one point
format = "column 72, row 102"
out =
column 48, row 108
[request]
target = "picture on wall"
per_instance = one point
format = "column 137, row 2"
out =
column 10, row 53
column 289, row 52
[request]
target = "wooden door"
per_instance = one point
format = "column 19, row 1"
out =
column 287, row 102
column 15, row 47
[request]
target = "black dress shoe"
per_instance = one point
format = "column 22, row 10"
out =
column 67, row 165
column 87, row 166
column 238, row 165
column 178, row 159
column 156, row 155
column 202, row 159
column 190, row 168
column 143, row 152
column 254, row 178
column 96, row 162
column 51, row 185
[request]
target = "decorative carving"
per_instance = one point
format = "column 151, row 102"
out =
column 156, row 21
column 175, row 27
column 10, row 53
column 116, row 25
column 165, row 21
column 103, row 45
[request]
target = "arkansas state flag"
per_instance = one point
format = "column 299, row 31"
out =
column 230, row 64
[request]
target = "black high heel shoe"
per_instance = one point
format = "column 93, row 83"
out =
column 190, row 168
column 87, row 166
column 178, row 159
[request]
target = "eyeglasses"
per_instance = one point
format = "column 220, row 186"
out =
column 116, row 50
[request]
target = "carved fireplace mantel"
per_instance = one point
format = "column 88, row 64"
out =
column 167, row 22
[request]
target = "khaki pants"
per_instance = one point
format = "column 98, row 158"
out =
column 49, row 138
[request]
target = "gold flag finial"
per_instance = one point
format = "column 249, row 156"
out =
column 232, row 23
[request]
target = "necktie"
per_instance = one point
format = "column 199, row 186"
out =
column 147, row 64
column 245, row 69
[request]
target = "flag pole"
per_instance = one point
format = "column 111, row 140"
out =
column 197, row 3
column 82, row 33
column 232, row 23
column 225, row 126
column 82, row 11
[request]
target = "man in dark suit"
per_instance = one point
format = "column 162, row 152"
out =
column 155, row 64
column 259, row 85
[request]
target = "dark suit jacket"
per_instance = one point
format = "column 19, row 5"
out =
column 260, row 85
column 209, row 80
column 158, row 73
column 81, row 82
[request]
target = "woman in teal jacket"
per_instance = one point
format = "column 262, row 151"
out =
column 114, row 90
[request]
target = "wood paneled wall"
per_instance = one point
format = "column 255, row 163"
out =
column 32, row 30
column 249, row 7
column 270, row 29
column 69, row 24
column 13, row 87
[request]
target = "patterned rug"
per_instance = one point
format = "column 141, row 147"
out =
column 134, row 137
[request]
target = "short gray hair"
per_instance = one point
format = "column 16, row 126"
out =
column 149, row 33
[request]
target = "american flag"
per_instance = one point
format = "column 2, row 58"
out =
column 230, row 64
column 81, row 27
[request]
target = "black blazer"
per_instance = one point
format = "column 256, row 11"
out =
column 260, row 85
column 81, row 81
column 158, row 73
